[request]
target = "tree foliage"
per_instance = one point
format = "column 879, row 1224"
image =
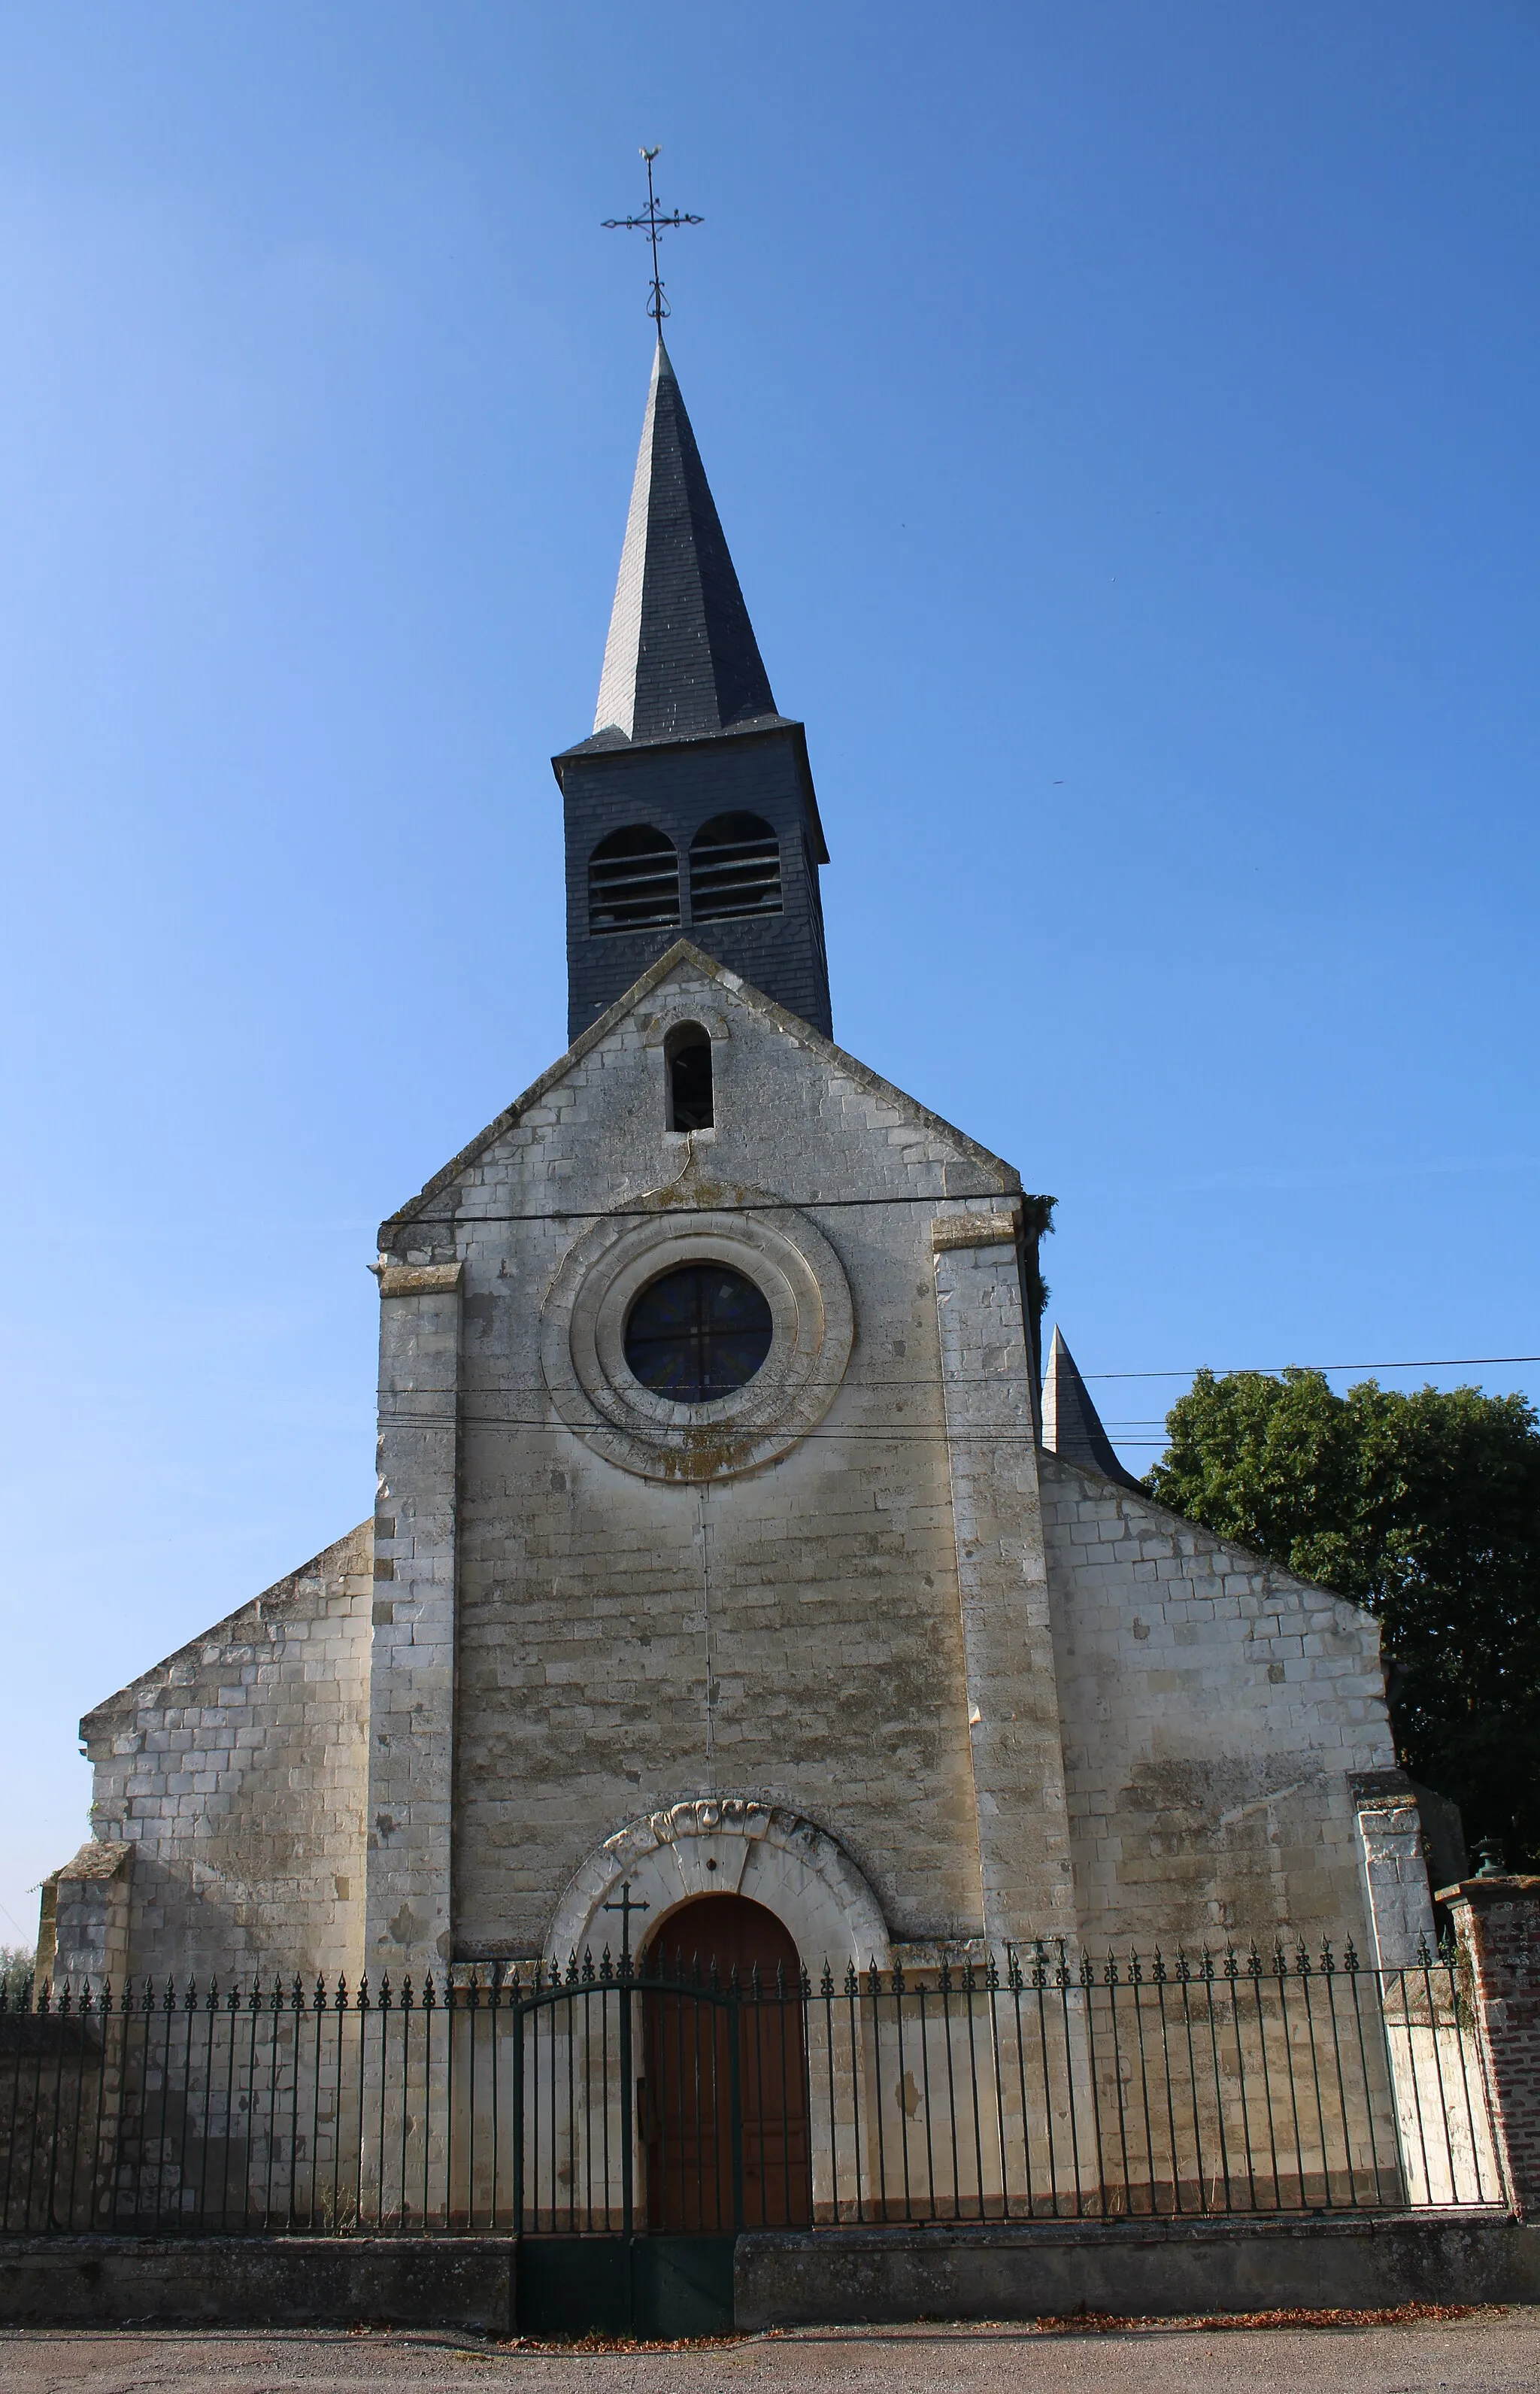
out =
column 1424, row 1507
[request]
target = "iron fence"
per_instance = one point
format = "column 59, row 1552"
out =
column 603, row 2098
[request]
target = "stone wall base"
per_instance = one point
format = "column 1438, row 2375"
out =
column 836, row 2276
column 259, row 2281
column 1162, row 2269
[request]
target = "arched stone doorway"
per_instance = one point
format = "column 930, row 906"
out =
column 704, row 2057
column 721, row 1845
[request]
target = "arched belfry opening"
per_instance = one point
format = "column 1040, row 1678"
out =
column 734, row 869
column 722, row 2020
column 633, row 882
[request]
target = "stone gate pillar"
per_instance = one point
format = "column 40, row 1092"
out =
column 1394, row 1863
column 1497, row 1923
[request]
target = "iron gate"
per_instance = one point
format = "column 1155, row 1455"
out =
column 622, row 2124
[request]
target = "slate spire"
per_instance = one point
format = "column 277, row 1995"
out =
column 681, row 661
column 1072, row 1429
column 689, row 809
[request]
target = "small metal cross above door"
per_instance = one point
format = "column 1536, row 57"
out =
column 626, row 1907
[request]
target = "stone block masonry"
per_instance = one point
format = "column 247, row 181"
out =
column 234, row 1774
column 1022, row 1700
column 1014, row 1741
column 228, row 2281
column 1158, row 2269
column 790, row 1634
column 1218, row 1714
column 412, row 1669
column 858, row 2275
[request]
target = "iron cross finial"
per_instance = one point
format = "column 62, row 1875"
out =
column 652, row 223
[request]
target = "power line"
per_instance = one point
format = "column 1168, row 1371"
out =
column 469, row 1221
column 1131, row 1421
column 898, row 1433
column 1272, row 1371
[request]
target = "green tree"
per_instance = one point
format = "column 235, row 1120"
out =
column 16, row 1965
column 1425, row 1509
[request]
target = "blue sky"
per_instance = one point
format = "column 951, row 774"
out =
column 1123, row 418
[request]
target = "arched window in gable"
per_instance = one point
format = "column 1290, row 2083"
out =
column 687, row 1059
column 633, row 881
column 734, row 869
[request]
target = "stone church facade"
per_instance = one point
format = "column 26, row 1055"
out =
column 730, row 1535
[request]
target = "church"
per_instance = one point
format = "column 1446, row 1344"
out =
column 736, row 1554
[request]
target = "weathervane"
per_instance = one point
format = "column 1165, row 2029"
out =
column 652, row 223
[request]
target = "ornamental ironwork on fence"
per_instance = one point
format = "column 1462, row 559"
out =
column 658, row 2097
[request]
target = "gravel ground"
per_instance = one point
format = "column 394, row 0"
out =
column 1488, row 2352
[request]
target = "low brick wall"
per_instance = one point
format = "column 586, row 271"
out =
column 259, row 2281
column 892, row 2274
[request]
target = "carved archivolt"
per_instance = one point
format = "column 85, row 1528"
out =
column 726, row 1845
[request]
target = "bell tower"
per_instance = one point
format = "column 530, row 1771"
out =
column 689, row 809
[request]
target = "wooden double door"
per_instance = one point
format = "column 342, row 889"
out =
column 724, row 2091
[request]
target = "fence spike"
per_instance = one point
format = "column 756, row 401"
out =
column 1269, row 2033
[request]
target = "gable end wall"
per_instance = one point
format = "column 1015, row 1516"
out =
column 237, row 1769
column 1212, row 1709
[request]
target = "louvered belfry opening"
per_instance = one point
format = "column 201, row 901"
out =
column 734, row 869
column 633, row 881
